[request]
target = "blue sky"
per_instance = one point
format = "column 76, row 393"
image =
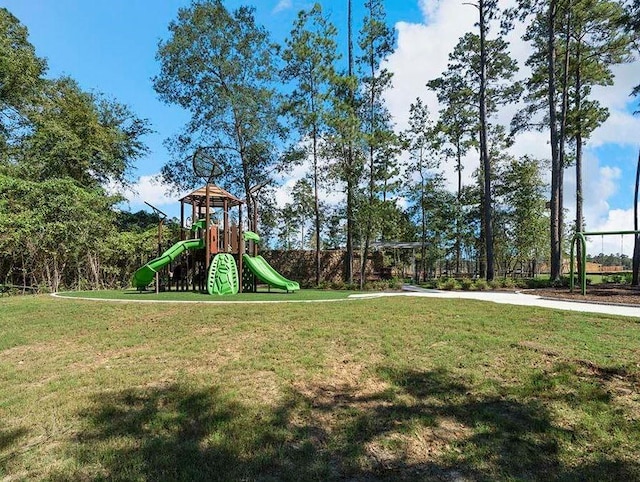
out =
column 109, row 46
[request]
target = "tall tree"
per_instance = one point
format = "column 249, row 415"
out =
column 456, row 129
column 420, row 142
column 344, row 141
column 597, row 41
column 309, row 55
column 81, row 135
column 304, row 205
column 546, row 94
column 521, row 192
column 635, row 277
column 487, row 84
column 376, row 44
column 21, row 74
column 220, row 66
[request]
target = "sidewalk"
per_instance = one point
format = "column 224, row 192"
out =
column 520, row 299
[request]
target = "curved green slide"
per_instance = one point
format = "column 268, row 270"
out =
column 223, row 275
column 267, row 274
column 145, row 275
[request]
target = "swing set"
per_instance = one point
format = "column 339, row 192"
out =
column 581, row 237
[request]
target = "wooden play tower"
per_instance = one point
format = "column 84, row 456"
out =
column 222, row 238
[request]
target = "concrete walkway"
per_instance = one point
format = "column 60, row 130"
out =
column 517, row 299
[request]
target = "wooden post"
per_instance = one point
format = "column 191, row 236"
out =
column 183, row 235
column 225, row 228
column 159, row 253
column 207, row 254
column 240, row 246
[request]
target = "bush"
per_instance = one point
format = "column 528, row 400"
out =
column 376, row 285
column 467, row 284
column 507, row 283
column 337, row 285
column 533, row 283
column 449, row 285
column 395, row 283
column 481, row 284
column 494, row 284
column 430, row 284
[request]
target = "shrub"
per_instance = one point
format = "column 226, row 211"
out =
column 338, row 285
column 430, row 284
column 376, row 285
column 507, row 283
column 324, row 285
column 536, row 283
column 481, row 284
column 494, row 284
column 467, row 284
column 449, row 285
column 395, row 283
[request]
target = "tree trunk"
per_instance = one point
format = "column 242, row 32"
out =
column 458, row 206
column 556, row 167
column 578, row 106
column 484, row 147
column 350, row 160
column 316, row 203
column 636, row 245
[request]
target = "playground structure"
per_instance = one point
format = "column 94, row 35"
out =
column 211, row 255
column 581, row 237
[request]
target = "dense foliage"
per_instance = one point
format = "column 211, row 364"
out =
column 59, row 147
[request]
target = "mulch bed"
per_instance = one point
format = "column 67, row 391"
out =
column 601, row 293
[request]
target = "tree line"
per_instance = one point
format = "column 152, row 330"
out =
column 223, row 67
column 59, row 148
column 265, row 108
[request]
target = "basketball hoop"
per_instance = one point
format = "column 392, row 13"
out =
column 204, row 163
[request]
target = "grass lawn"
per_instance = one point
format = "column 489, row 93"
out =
column 262, row 295
column 382, row 389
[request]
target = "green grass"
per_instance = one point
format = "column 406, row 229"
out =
column 263, row 295
column 383, row 389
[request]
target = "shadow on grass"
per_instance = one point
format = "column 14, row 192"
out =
column 8, row 446
column 424, row 425
column 9, row 437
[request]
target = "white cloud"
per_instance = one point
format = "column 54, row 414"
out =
column 283, row 191
column 149, row 189
column 282, row 5
column 620, row 128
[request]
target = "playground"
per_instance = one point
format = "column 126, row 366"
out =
column 212, row 258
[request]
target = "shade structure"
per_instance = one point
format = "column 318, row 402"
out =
column 217, row 197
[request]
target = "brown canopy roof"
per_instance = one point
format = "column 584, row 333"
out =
column 217, row 195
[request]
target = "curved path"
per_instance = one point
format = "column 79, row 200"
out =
column 409, row 290
column 517, row 299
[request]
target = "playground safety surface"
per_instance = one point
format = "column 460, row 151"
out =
column 601, row 293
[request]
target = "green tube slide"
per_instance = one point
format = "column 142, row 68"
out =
column 267, row 274
column 145, row 275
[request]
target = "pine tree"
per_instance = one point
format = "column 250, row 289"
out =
column 309, row 55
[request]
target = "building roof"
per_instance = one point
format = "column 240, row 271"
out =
column 217, row 195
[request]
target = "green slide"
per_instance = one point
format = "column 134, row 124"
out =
column 223, row 275
column 267, row 274
column 145, row 275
